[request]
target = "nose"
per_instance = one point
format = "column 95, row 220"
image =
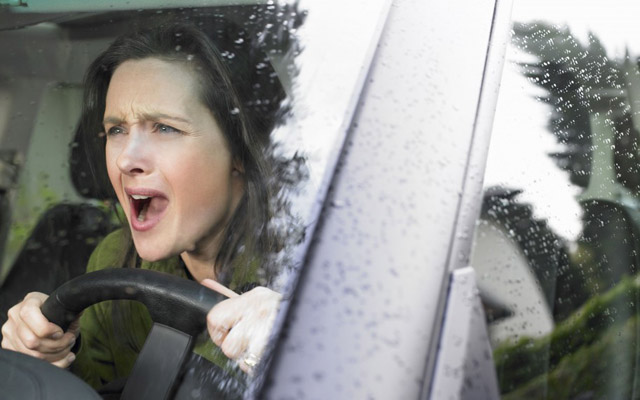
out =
column 134, row 155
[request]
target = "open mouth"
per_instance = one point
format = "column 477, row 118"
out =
column 147, row 208
column 140, row 206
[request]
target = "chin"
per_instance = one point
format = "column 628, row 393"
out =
column 149, row 253
column 150, row 257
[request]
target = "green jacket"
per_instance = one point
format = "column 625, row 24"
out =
column 107, row 350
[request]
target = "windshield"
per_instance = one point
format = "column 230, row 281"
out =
column 58, row 162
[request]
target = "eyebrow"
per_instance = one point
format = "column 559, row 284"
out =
column 146, row 117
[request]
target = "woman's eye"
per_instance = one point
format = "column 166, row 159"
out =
column 162, row 128
column 114, row 130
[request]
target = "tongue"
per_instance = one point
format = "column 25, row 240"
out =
column 142, row 213
column 152, row 208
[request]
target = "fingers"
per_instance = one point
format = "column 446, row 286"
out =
column 66, row 361
column 29, row 332
column 48, row 345
column 221, row 319
column 241, row 326
column 44, row 348
column 250, row 357
column 236, row 342
column 218, row 334
column 32, row 316
column 218, row 287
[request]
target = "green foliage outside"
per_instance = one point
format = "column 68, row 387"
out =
column 604, row 324
column 594, row 351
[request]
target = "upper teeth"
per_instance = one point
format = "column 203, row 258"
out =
column 139, row 197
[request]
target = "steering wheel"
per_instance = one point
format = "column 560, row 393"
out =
column 177, row 306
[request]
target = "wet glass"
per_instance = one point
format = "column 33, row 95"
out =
column 53, row 213
column 556, row 245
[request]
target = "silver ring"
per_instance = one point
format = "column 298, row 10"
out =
column 251, row 360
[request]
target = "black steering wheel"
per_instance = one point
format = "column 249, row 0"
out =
column 177, row 306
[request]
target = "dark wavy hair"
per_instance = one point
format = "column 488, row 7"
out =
column 247, row 231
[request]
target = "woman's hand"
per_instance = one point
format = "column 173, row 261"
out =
column 241, row 325
column 28, row 331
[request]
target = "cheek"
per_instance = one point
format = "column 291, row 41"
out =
column 109, row 158
column 205, row 181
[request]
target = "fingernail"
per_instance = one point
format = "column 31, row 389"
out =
column 57, row 335
column 72, row 342
column 217, row 337
column 71, row 357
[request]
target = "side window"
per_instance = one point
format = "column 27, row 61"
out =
column 557, row 243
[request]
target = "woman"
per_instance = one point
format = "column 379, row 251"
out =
column 192, row 182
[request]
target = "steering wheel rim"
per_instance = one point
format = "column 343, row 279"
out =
column 173, row 301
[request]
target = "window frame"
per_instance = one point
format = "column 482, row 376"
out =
column 322, row 351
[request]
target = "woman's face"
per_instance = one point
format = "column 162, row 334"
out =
column 168, row 161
